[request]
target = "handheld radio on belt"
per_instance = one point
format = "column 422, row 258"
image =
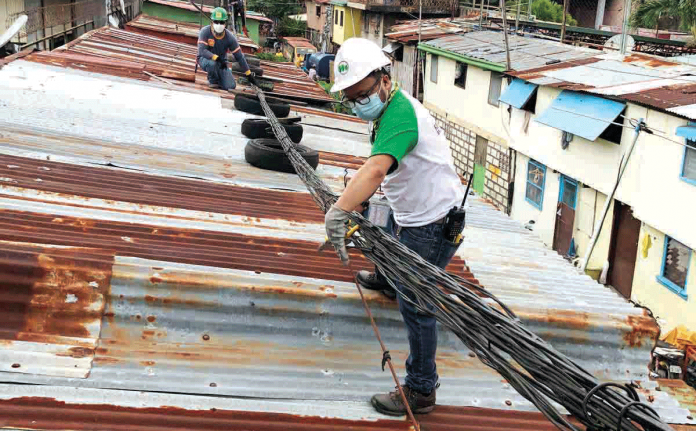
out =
column 456, row 218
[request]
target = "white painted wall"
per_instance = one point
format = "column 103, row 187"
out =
column 651, row 184
column 665, row 304
column 469, row 104
column 588, row 209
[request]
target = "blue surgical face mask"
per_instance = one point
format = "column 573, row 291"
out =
column 372, row 110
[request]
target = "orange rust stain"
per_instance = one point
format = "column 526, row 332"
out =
column 107, row 360
column 649, row 61
column 155, row 279
column 561, row 318
column 643, row 330
column 51, row 414
column 151, row 319
column 147, row 363
column 51, row 293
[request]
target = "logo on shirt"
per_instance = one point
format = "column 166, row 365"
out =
column 343, row 67
column 211, row 42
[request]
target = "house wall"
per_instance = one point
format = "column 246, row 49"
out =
column 403, row 72
column 651, row 184
column 470, row 104
column 465, row 114
column 666, row 305
column 172, row 13
column 8, row 8
column 588, row 210
column 352, row 20
column 313, row 21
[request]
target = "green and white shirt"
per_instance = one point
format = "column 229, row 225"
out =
column 423, row 185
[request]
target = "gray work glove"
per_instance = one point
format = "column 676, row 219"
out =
column 336, row 229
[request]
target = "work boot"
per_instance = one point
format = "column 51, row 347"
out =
column 391, row 404
column 369, row 280
column 213, row 85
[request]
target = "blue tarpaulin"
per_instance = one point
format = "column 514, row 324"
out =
column 581, row 114
column 688, row 132
column 518, row 93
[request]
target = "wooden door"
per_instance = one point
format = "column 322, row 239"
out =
column 480, row 153
column 565, row 216
column 624, row 249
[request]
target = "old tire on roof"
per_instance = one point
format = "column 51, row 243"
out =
column 251, row 105
column 251, row 61
column 269, row 154
column 255, row 129
column 237, row 68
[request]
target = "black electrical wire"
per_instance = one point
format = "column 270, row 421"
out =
column 485, row 325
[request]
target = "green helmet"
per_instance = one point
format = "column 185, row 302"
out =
column 218, row 14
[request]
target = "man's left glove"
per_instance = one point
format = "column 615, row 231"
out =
column 336, row 229
column 251, row 77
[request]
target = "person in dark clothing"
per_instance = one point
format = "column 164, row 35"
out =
column 238, row 11
column 214, row 42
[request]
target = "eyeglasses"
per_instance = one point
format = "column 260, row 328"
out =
column 219, row 22
column 362, row 99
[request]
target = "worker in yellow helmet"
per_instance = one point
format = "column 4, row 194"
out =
column 214, row 42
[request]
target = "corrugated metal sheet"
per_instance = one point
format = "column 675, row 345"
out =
column 525, row 53
column 127, row 54
column 518, row 93
column 581, row 114
column 237, row 311
column 407, row 31
column 178, row 31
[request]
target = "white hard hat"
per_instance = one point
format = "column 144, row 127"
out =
column 356, row 59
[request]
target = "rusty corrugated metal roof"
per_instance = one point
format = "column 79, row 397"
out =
column 407, row 31
column 234, row 310
column 299, row 42
column 133, row 55
column 648, row 80
column 177, row 31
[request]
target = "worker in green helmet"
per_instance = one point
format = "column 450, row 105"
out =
column 214, row 42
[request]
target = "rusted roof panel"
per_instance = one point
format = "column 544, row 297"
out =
column 236, row 311
column 133, row 55
column 177, row 31
column 407, row 31
column 299, row 42
column 648, row 80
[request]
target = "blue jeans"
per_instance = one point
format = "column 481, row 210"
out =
column 217, row 75
column 429, row 242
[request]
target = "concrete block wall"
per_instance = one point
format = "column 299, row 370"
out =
column 498, row 167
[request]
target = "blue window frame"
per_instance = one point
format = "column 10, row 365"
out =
column 569, row 191
column 676, row 260
column 536, row 179
column 688, row 170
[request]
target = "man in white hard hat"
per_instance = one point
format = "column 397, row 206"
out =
column 413, row 163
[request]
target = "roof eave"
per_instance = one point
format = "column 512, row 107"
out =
column 483, row 64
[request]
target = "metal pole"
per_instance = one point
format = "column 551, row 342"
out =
column 505, row 32
column 418, row 63
column 624, row 29
column 517, row 16
column 481, row 16
column 610, row 197
column 563, row 24
column 529, row 10
column 599, row 17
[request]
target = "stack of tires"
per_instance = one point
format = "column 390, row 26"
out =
column 263, row 149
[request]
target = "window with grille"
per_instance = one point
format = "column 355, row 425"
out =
column 317, row 10
column 433, row 68
column 494, row 89
column 536, row 179
column 460, row 75
column 675, row 266
column 689, row 168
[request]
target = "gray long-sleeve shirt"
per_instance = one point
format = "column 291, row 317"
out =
column 210, row 45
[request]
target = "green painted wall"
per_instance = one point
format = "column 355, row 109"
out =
column 479, row 178
column 172, row 13
column 253, row 28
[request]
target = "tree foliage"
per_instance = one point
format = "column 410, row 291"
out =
column 649, row 13
column 547, row 10
column 274, row 9
column 291, row 27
